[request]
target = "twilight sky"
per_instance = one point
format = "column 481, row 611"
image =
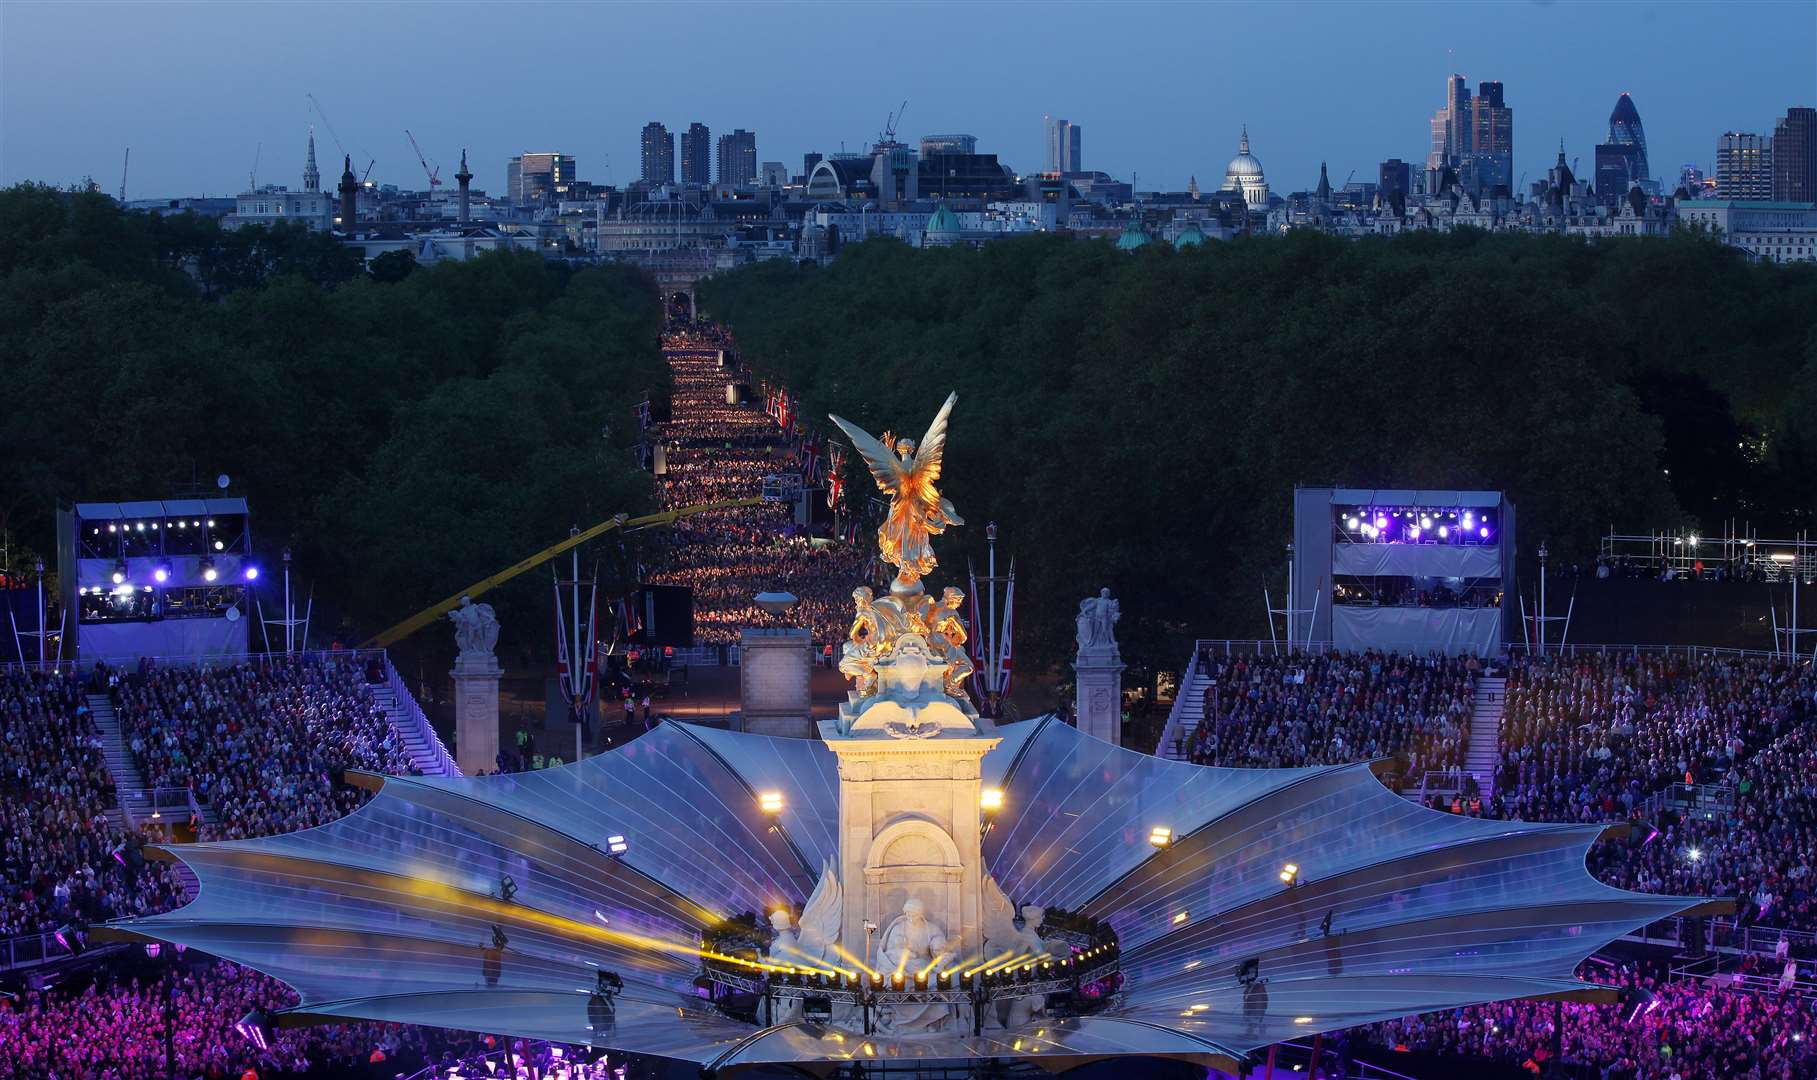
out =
column 1160, row 89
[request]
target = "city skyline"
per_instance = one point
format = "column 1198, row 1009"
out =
column 200, row 107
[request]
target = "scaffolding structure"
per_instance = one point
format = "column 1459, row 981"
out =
column 1739, row 552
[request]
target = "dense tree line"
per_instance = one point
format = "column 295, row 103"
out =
column 406, row 432
column 1140, row 421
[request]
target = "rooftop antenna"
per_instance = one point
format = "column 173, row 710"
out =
column 123, row 165
column 252, row 178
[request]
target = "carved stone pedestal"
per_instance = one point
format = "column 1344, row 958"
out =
column 774, row 666
column 476, row 712
column 1099, row 697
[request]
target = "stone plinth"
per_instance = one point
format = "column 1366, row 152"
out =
column 476, row 712
column 909, row 827
column 774, row 665
column 1099, row 695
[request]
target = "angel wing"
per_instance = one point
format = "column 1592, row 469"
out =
column 820, row 917
column 932, row 448
column 999, row 915
column 885, row 466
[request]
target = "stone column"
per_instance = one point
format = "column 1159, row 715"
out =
column 774, row 666
column 1098, row 670
column 476, row 712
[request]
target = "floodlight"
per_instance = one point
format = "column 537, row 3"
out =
column 120, row 572
column 991, row 799
column 1484, row 532
column 209, row 573
column 1289, row 874
column 770, row 802
column 616, row 845
column 1177, row 919
column 1160, row 836
column 255, row 1026
column 1444, row 531
column 220, row 545
column 162, row 573
column 252, row 573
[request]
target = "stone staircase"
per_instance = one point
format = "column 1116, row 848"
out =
column 1485, row 731
column 128, row 781
column 428, row 758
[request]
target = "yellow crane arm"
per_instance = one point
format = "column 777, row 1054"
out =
column 430, row 614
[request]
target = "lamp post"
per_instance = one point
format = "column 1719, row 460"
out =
column 38, row 567
column 1543, row 554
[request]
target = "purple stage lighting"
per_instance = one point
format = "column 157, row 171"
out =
column 161, row 574
column 1381, row 522
column 252, row 573
column 1484, row 532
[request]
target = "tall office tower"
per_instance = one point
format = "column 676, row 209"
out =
column 1489, row 160
column 533, row 179
column 1395, row 175
column 1744, row 166
column 738, row 158
column 1795, row 156
column 808, row 161
column 697, row 155
column 1625, row 130
column 658, row 154
column 1451, row 126
column 1064, row 140
column 1690, row 178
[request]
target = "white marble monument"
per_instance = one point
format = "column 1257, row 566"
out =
column 1098, row 669
column 476, row 674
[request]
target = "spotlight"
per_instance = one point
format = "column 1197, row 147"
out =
column 162, row 573
column 1413, row 532
column 1484, row 533
column 616, row 845
column 255, row 1027
column 110, row 527
column 252, row 573
column 1161, row 836
column 770, row 802
column 991, row 799
column 1351, row 523
column 220, row 545
column 1177, row 919
column 1381, row 521
column 120, row 572
column 1289, row 874
column 1425, row 522
column 1444, row 531
column 507, row 888
column 1694, row 854
column 209, row 573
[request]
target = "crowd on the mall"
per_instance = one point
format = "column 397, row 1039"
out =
column 715, row 451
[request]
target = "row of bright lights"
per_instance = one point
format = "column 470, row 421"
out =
column 154, row 526
column 163, row 571
column 1382, row 525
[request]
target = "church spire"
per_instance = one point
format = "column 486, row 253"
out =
column 312, row 176
column 1243, row 143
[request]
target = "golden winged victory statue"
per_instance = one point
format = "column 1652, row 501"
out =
column 907, row 474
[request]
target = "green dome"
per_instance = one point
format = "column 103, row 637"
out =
column 1134, row 236
column 944, row 221
column 1191, row 236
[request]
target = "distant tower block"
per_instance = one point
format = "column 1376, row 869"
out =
column 464, row 178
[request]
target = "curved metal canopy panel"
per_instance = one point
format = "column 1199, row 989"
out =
column 391, row 913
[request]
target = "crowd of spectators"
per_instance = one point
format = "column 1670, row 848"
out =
column 1692, row 1029
column 714, row 451
column 1277, row 711
column 57, row 843
column 262, row 743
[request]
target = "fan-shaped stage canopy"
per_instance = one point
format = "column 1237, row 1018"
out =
column 622, row 862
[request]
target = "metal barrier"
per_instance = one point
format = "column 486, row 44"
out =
column 153, row 805
column 31, row 950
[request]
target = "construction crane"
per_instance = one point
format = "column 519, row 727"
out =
column 370, row 160
column 435, row 175
column 123, row 166
column 252, row 178
column 435, row 611
column 891, row 122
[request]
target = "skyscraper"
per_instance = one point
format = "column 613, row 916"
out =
column 738, row 158
column 658, row 154
column 1451, row 127
column 1795, row 156
column 1489, row 162
column 1622, row 161
column 697, row 155
column 1394, row 176
column 808, row 161
column 1625, row 130
column 1064, row 140
column 1744, row 166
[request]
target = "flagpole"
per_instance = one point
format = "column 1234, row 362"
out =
column 992, row 683
column 573, row 682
